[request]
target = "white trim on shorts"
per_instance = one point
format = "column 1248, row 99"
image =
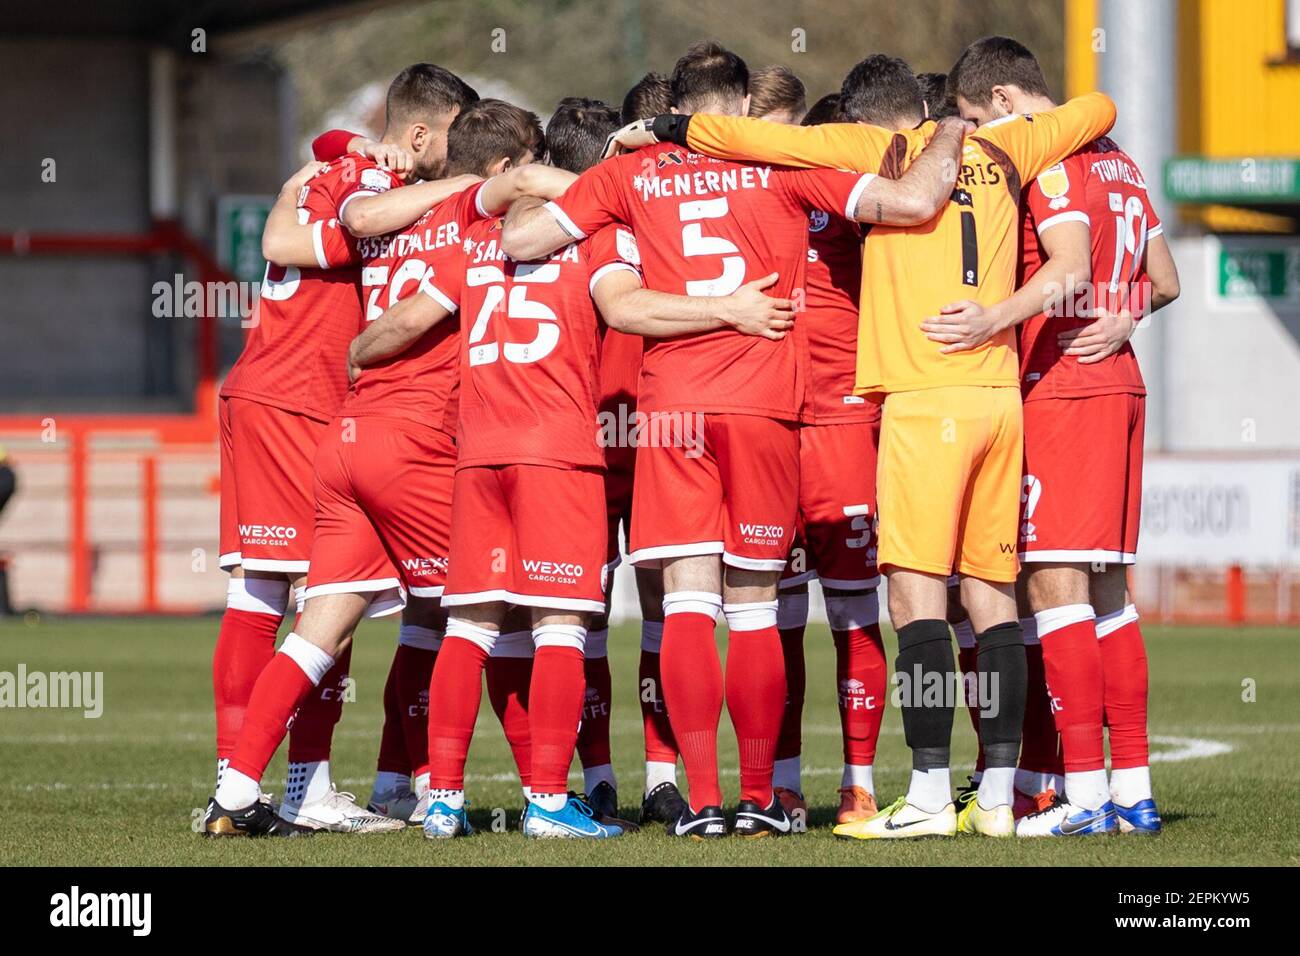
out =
column 753, row 564
column 653, row 557
column 526, row 600
column 275, row 564
column 1078, row 557
column 431, row 591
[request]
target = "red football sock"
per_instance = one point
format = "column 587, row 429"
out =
column 414, row 668
column 508, row 680
column 313, row 728
column 660, row 744
column 692, row 689
column 789, row 742
column 392, row 741
column 1040, row 745
column 862, row 675
column 966, row 661
column 554, row 711
column 593, row 734
column 1071, row 657
column 756, row 693
column 245, row 645
column 282, row 687
column 455, row 690
column 1124, row 670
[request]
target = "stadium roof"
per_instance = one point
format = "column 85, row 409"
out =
column 161, row 20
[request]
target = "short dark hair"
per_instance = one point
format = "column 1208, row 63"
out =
column 424, row 89
column 934, row 89
column 489, row 130
column 708, row 71
column 825, row 110
column 775, row 89
column 881, row 90
column 995, row 61
column 576, row 134
column 651, row 96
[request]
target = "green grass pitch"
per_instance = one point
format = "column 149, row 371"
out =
column 123, row 789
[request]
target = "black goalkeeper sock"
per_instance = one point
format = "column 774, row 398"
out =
column 924, row 663
column 1003, row 676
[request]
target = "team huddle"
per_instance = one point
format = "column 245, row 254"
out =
column 884, row 336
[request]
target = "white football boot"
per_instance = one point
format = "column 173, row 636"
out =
column 338, row 812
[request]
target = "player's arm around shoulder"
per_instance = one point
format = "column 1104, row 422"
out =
column 530, row 231
column 1033, row 142
column 399, row 327
column 924, row 188
column 395, row 209
column 626, row 306
column 288, row 240
column 532, row 179
column 852, row 146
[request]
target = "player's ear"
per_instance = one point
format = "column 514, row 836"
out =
column 1001, row 101
column 744, row 106
column 500, row 166
column 418, row 135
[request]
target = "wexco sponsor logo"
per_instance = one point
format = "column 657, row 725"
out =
column 557, row 571
column 76, row 909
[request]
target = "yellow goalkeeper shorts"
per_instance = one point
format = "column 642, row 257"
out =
column 949, row 480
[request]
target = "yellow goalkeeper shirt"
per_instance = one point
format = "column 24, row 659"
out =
column 968, row 251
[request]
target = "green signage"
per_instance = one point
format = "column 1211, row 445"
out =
column 239, row 235
column 1243, row 180
column 1256, row 268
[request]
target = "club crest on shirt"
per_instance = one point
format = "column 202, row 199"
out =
column 626, row 245
column 818, row 219
column 375, row 179
column 1055, row 184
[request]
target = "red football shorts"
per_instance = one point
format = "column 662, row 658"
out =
column 715, row 484
column 619, row 464
column 836, row 539
column 528, row 534
column 383, row 502
column 1081, row 501
column 267, row 510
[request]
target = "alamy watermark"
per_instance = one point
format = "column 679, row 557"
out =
column 54, row 690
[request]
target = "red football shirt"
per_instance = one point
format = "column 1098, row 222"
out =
column 295, row 357
column 828, row 330
column 1102, row 187
column 705, row 227
column 529, row 351
column 419, row 384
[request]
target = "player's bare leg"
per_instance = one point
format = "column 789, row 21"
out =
column 1124, row 665
column 662, row 801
